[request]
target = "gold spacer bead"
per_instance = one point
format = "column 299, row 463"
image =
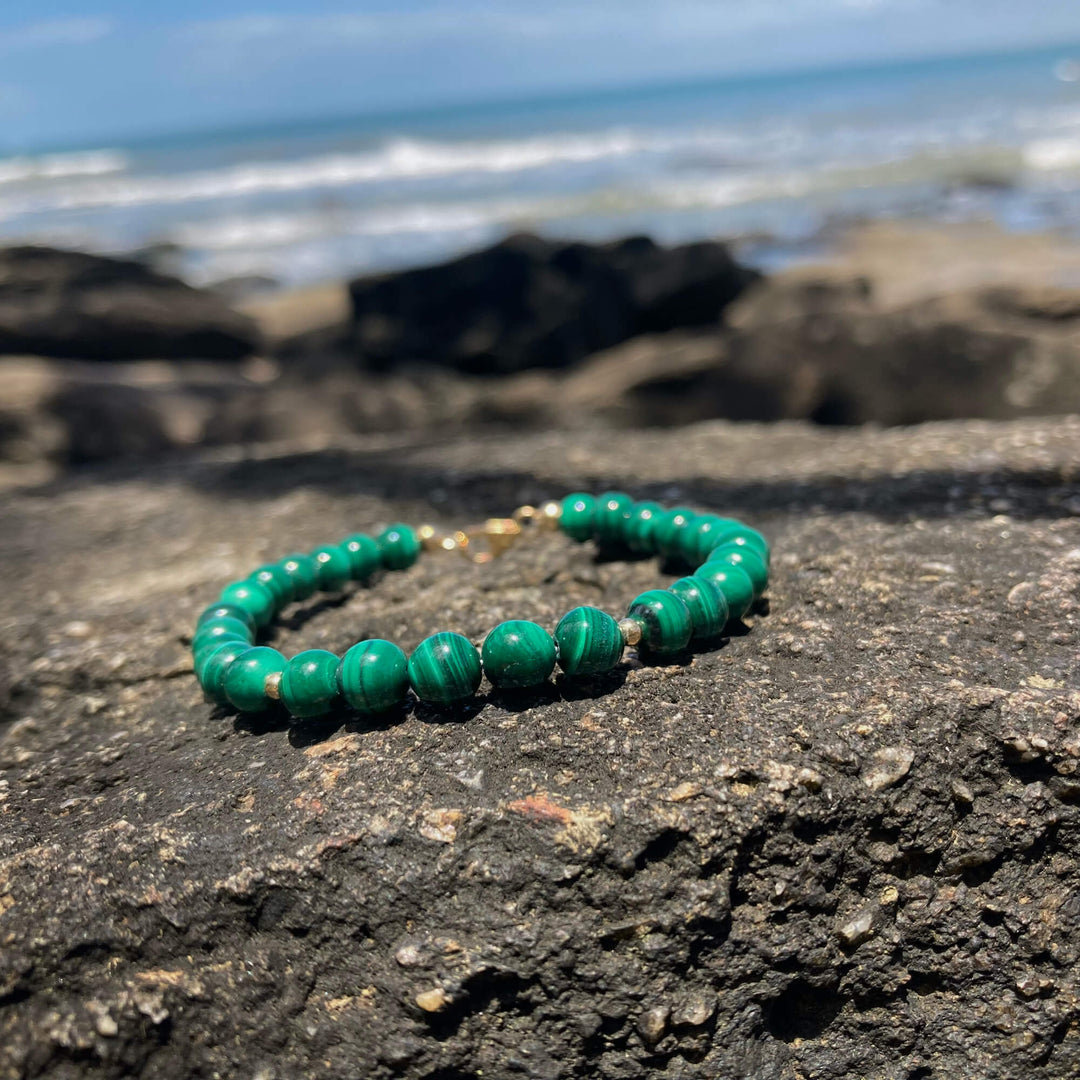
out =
column 631, row 630
column 272, row 686
column 550, row 513
column 432, row 540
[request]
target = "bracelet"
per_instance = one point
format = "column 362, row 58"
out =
column 374, row 676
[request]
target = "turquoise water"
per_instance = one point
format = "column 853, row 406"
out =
column 778, row 158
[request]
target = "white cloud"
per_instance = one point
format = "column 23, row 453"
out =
column 43, row 35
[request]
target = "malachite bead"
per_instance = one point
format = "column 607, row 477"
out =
column 639, row 529
column 202, row 654
column 747, row 558
column 665, row 619
column 734, row 582
column 202, row 647
column 399, row 547
column 589, row 641
column 309, row 683
column 213, row 665
column 225, row 628
column 578, row 519
column 706, row 604
column 272, row 576
column 669, row 531
column 701, row 538
column 373, row 676
column 253, row 598
column 744, row 536
column 333, row 567
column 364, row 555
column 612, row 517
column 302, row 573
column 231, row 611
column 201, row 651
column 518, row 653
column 244, row 684
column 444, row 669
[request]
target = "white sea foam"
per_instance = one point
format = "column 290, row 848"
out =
column 1053, row 154
column 281, row 230
column 19, row 170
column 398, row 159
column 707, row 192
column 100, row 181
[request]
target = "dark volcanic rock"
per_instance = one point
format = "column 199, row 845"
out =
column 529, row 302
column 71, row 304
column 819, row 345
column 843, row 845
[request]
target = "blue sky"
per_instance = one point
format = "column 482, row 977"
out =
column 86, row 72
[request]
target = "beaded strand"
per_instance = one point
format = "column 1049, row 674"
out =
column 373, row 676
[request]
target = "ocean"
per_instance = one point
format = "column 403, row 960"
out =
column 775, row 161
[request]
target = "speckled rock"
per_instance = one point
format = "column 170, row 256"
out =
column 842, row 845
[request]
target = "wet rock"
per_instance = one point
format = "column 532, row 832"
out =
column 529, row 302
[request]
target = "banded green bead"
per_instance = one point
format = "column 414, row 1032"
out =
column 202, row 650
column 373, row 676
column 744, row 536
column 669, row 530
column 444, row 669
column 612, row 517
column 706, row 604
column 272, row 576
column 244, row 683
column 578, row 518
column 399, row 547
column 589, row 641
column 215, row 631
column 518, row 653
column 254, row 598
column 701, row 538
column 221, row 611
column 333, row 567
column 309, row 683
column 747, row 558
column 733, row 582
column 302, row 573
column 665, row 620
column 364, row 555
column 212, row 667
column 639, row 529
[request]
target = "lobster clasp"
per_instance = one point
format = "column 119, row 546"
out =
column 498, row 534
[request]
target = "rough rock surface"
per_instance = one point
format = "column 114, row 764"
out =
column 844, row 845
column 73, row 304
column 529, row 302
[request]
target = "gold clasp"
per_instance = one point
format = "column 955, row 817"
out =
column 500, row 535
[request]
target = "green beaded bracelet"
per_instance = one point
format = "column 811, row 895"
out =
column 730, row 564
